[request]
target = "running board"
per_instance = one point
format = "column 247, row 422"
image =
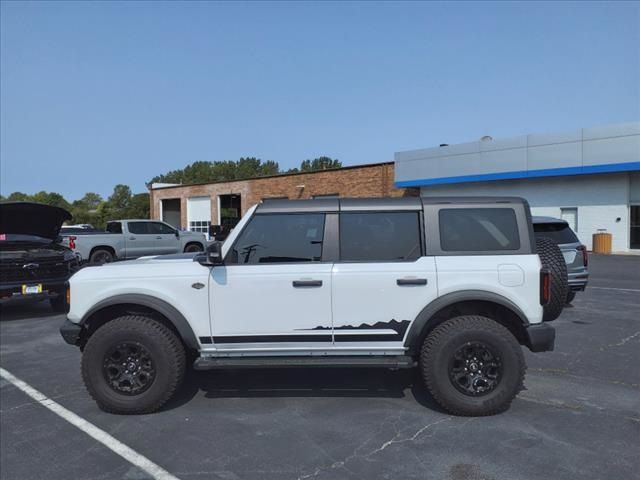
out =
column 210, row 363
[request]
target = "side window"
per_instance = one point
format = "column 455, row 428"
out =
column 114, row 227
column 160, row 228
column 280, row 238
column 379, row 236
column 139, row 228
column 478, row 229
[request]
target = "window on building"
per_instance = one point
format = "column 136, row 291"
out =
column 478, row 229
column 290, row 238
column 201, row 226
column 570, row 215
column 379, row 236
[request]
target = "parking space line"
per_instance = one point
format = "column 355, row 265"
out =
column 116, row 446
column 612, row 288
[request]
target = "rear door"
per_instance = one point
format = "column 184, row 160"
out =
column 382, row 280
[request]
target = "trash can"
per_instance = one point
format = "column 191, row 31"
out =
column 602, row 242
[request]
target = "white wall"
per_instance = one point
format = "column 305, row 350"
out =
column 600, row 200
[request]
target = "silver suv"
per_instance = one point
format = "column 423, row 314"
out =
column 574, row 252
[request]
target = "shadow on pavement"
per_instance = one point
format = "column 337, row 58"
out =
column 304, row 382
column 21, row 310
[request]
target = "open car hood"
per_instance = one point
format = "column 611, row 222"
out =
column 26, row 218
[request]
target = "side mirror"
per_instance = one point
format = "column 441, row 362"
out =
column 213, row 255
column 177, row 232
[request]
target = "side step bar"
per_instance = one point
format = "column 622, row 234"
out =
column 210, row 363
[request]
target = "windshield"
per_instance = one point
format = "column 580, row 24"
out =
column 558, row 232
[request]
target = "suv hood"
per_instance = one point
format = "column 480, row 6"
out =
column 26, row 218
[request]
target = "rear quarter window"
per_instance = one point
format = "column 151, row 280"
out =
column 478, row 229
column 558, row 232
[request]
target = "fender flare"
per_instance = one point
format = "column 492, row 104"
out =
column 423, row 320
column 165, row 309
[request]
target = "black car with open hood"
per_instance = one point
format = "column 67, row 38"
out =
column 33, row 265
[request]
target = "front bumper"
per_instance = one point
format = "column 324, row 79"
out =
column 71, row 332
column 10, row 292
column 540, row 337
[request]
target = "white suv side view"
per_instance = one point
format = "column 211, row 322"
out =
column 454, row 286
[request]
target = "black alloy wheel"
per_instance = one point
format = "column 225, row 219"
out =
column 128, row 368
column 475, row 369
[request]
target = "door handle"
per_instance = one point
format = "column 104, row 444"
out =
column 411, row 281
column 158, row 238
column 132, row 238
column 307, row 283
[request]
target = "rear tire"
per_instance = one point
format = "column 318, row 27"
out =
column 193, row 247
column 132, row 365
column 448, row 369
column 101, row 256
column 552, row 259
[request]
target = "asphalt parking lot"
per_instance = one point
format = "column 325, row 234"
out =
column 579, row 417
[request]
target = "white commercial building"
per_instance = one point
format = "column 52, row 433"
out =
column 590, row 177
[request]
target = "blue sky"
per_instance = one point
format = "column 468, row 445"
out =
column 98, row 93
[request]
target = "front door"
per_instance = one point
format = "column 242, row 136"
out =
column 164, row 238
column 274, row 291
column 140, row 240
column 382, row 280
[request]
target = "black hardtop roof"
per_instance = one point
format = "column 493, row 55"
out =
column 372, row 204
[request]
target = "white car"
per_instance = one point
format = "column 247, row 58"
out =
column 452, row 285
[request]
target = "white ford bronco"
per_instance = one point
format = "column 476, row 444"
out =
column 454, row 286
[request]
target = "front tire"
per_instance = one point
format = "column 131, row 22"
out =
column 59, row 303
column 472, row 366
column 133, row 365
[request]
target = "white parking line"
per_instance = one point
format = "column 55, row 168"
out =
column 90, row 429
column 619, row 289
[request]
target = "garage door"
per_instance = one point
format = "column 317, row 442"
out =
column 199, row 214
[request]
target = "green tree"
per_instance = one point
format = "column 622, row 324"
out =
column 320, row 163
column 18, row 197
column 219, row 171
column 138, row 206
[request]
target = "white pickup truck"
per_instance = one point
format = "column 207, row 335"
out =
column 127, row 239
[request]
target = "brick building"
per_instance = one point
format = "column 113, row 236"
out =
column 195, row 207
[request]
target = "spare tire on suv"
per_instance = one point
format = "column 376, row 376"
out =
column 552, row 259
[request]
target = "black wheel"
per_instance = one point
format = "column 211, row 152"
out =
column 472, row 366
column 552, row 259
column 570, row 297
column 193, row 247
column 132, row 364
column 59, row 303
column 100, row 256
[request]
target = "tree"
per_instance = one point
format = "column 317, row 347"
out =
column 320, row 163
column 138, row 206
column 18, row 197
column 219, row 171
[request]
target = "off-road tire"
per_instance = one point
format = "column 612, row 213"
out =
column 570, row 297
column 101, row 256
column 552, row 259
column 439, row 348
column 165, row 349
column 193, row 247
column 59, row 303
